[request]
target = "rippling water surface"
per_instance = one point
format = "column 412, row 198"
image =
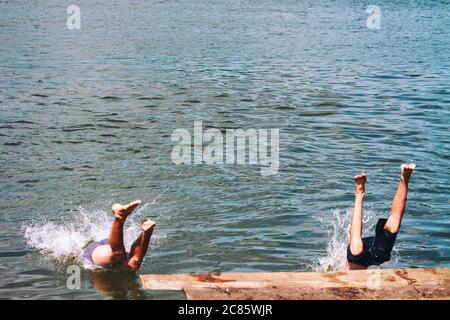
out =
column 87, row 115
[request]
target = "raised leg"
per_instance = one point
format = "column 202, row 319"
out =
column 140, row 246
column 356, row 244
column 399, row 203
column 121, row 212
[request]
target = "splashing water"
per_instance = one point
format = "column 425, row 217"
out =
column 63, row 240
column 339, row 227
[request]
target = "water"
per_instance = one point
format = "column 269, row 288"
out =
column 87, row 115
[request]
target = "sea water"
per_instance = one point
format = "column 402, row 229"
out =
column 86, row 118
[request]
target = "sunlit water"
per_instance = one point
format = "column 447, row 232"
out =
column 87, row 116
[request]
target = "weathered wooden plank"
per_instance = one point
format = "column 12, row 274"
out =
column 389, row 278
column 408, row 292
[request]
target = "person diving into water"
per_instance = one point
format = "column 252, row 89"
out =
column 364, row 252
column 111, row 251
column 361, row 252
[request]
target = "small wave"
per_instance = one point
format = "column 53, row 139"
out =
column 18, row 143
column 115, row 120
column 40, row 95
column 151, row 98
column 63, row 240
column 111, row 98
column 222, row 95
column 22, row 122
column 78, row 127
column 28, row 181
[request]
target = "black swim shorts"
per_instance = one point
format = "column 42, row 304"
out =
column 376, row 250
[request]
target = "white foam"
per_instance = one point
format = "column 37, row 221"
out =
column 65, row 238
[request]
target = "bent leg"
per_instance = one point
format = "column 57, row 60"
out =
column 116, row 239
column 356, row 244
column 399, row 203
column 140, row 246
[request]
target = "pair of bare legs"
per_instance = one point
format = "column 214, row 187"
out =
column 115, row 253
column 395, row 218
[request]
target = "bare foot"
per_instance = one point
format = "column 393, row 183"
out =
column 360, row 183
column 147, row 225
column 406, row 170
column 122, row 211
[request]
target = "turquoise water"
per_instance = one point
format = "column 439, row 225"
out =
column 87, row 115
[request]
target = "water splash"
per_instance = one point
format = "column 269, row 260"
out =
column 63, row 240
column 154, row 201
column 339, row 227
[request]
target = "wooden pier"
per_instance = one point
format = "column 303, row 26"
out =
column 419, row 283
